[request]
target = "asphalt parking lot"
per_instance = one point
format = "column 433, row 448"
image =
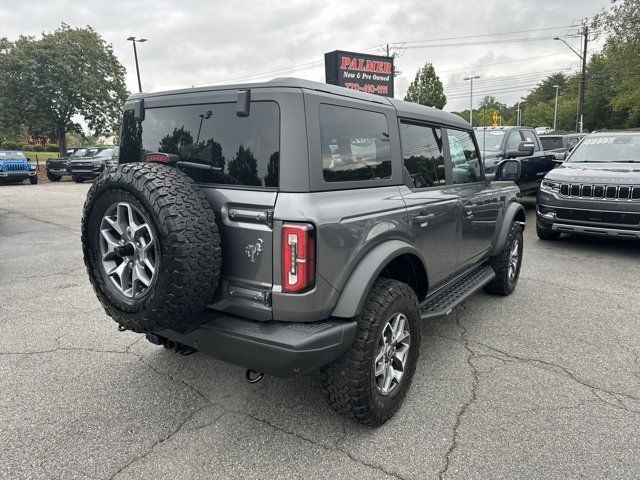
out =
column 542, row 384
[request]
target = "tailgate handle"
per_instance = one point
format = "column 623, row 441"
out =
column 253, row 216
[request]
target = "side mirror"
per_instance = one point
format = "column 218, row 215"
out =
column 525, row 149
column 509, row 170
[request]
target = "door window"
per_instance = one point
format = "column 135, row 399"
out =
column 530, row 136
column 422, row 151
column 464, row 157
column 514, row 140
column 355, row 144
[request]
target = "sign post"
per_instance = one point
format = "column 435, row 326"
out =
column 359, row 71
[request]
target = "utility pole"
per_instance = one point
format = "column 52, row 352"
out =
column 472, row 78
column 555, row 110
column 583, row 80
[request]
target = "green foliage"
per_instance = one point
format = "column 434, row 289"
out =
column 619, row 57
column 427, row 88
column 52, row 147
column 48, row 81
column 9, row 145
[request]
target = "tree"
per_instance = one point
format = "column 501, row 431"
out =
column 244, row 167
column 48, row 82
column 427, row 88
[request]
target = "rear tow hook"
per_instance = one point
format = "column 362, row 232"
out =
column 253, row 377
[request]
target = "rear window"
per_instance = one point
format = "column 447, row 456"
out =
column 245, row 149
column 355, row 144
column 551, row 143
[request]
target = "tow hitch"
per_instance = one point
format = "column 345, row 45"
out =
column 253, row 377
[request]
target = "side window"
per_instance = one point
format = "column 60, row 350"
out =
column 530, row 136
column 514, row 140
column 464, row 157
column 354, row 144
column 423, row 155
column 572, row 142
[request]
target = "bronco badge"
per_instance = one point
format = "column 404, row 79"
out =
column 253, row 250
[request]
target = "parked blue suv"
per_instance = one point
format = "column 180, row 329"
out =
column 15, row 167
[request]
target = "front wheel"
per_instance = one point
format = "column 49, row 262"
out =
column 52, row 177
column 507, row 263
column 370, row 381
column 547, row 233
column 33, row 180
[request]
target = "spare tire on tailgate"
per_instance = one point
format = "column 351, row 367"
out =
column 151, row 246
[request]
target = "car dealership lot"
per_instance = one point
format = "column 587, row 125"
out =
column 544, row 383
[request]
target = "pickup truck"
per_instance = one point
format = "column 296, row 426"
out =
column 522, row 143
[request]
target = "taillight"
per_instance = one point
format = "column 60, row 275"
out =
column 161, row 157
column 298, row 257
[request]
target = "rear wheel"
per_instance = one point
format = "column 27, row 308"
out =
column 151, row 246
column 371, row 380
column 52, row 177
column 507, row 263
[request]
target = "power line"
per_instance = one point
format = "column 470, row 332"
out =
column 480, row 35
column 485, row 42
column 315, row 64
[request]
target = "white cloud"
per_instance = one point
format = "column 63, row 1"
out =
column 194, row 42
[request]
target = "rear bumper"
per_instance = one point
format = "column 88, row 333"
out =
column 277, row 348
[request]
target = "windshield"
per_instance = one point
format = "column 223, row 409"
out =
column 490, row 140
column 612, row 148
column 551, row 143
column 81, row 152
column 105, row 153
column 13, row 155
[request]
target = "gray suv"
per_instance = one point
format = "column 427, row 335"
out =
column 290, row 226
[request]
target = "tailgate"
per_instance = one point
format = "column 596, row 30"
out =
column 244, row 218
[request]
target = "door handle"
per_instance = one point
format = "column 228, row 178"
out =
column 468, row 213
column 423, row 220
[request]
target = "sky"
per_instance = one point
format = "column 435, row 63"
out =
column 205, row 43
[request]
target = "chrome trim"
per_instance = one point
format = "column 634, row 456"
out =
column 611, row 232
column 593, row 186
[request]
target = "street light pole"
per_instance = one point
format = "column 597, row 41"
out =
column 135, row 54
column 555, row 109
column 583, row 74
column 475, row 77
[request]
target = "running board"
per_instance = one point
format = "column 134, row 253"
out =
column 442, row 303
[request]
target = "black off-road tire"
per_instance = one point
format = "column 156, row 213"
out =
column 503, row 284
column 189, row 259
column 349, row 382
column 547, row 233
column 53, row 178
column 33, row 180
column 77, row 179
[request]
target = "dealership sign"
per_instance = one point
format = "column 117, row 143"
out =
column 358, row 71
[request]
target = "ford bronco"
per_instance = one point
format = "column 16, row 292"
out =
column 291, row 226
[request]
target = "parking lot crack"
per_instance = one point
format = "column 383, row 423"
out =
column 464, row 408
column 568, row 373
column 163, row 439
column 335, row 448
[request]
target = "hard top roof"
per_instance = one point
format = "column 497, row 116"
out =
column 404, row 109
column 504, row 127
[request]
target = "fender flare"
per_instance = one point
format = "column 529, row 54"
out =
column 355, row 291
column 514, row 209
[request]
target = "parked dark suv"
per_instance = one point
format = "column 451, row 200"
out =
column 596, row 191
column 290, row 225
column 92, row 164
column 521, row 143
